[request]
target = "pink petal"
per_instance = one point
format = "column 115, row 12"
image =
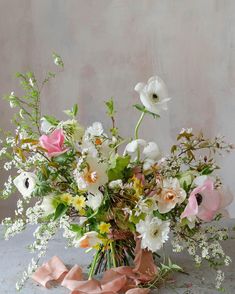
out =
column 191, row 208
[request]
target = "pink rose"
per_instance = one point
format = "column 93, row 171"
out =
column 204, row 202
column 53, row 143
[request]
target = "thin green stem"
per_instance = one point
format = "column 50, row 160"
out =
column 113, row 254
column 137, row 132
column 92, row 269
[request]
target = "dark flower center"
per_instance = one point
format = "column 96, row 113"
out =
column 199, row 198
column 155, row 97
column 27, row 183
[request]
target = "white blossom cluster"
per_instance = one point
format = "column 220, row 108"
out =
column 8, row 187
column 204, row 245
column 13, row 228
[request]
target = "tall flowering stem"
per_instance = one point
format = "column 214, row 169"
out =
column 137, row 132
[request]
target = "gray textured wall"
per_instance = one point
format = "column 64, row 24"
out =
column 109, row 45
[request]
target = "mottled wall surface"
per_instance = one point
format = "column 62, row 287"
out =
column 110, row 45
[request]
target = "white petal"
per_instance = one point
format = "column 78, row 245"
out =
column 199, row 181
column 151, row 151
column 133, row 145
column 94, row 200
column 139, row 87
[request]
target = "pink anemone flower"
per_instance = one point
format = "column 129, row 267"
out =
column 204, row 202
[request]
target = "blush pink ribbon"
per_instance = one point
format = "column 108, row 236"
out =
column 118, row 280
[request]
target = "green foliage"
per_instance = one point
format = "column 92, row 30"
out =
column 77, row 229
column 60, row 210
column 51, row 119
column 118, row 167
column 110, row 107
column 141, row 108
column 72, row 112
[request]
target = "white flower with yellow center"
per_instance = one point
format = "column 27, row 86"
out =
column 88, row 240
column 170, row 195
column 153, row 95
column 95, row 141
column 153, row 232
column 93, row 176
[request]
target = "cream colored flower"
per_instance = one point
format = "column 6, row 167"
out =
column 90, row 239
column 170, row 195
column 153, row 95
column 93, row 176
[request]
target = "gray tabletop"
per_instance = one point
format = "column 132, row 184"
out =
column 14, row 258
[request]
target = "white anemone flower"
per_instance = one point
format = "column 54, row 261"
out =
column 93, row 176
column 25, row 183
column 94, row 200
column 170, row 195
column 153, row 95
column 153, row 232
column 88, row 240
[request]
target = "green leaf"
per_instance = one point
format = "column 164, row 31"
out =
column 51, row 119
column 207, row 170
column 72, row 112
column 143, row 109
column 118, row 167
column 60, row 210
column 110, row 107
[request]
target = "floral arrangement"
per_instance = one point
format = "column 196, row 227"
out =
column 122, row 204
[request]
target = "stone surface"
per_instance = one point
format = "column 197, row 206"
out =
column 14, row 258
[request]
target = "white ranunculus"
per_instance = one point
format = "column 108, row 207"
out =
column 170, row 195
column 94, row 200
column 25, row 183
column 153, row 95
column 153, row 232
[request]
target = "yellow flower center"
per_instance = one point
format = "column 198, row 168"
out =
column 168, row 195
column 91, row 177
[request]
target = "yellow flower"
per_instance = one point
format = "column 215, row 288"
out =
column 79, row 202
column 67, row 198
column 104, row 227
column 138, row 186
